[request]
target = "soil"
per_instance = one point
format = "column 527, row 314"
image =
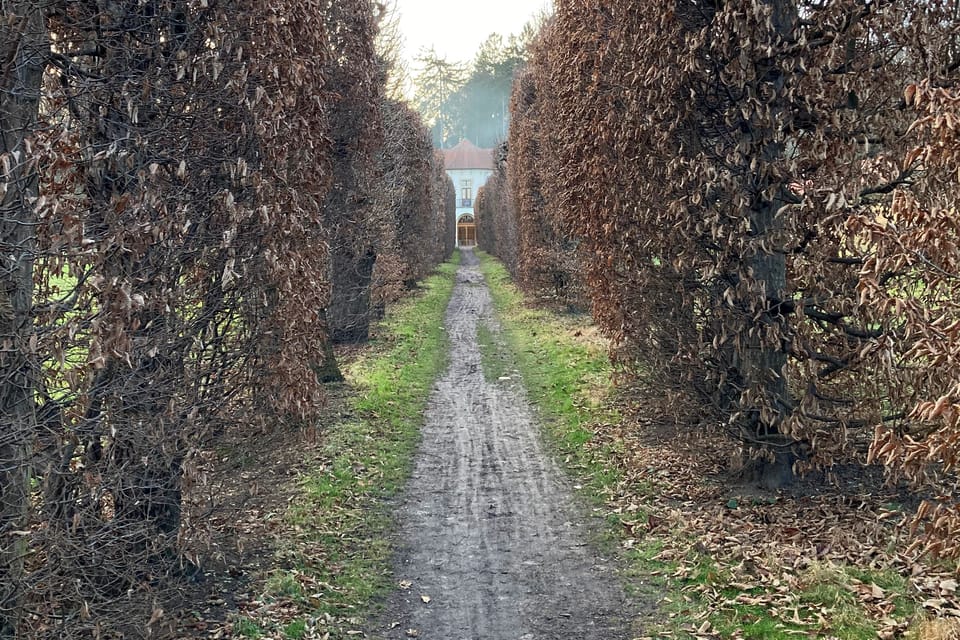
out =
column 493, row 544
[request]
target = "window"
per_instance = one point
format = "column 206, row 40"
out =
column 466, row 193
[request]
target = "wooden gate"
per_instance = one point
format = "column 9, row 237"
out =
column 466, row 231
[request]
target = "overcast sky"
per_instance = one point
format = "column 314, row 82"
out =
column 456, row 29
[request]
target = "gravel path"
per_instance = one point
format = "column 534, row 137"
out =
column 493, row 545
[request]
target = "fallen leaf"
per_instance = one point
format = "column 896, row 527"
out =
column 425, row 598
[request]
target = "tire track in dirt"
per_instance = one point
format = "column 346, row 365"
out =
column 491, row 533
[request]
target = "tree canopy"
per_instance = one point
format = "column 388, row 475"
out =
column 471, row 101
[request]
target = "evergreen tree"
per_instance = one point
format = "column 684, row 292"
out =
column 437, row 80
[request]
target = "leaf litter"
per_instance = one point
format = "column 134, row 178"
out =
column 731, row 546
column 263, row 580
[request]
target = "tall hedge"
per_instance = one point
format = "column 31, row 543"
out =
column 735, row 176
column 178, row 181
column 413, row 207
column 358, row 135
column 496, row 215
column 547, row 261
column 180, row 159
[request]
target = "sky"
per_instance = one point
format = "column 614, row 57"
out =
column 456, row 29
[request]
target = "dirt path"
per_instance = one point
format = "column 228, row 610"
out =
column 491, row 535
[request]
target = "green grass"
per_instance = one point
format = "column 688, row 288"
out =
column 284, row 584
column 295, row 630
column 496, row 361
column 246, row 628
column 846, row 617
column 827, row 589
column 568, row 379
column 367, row 457
column 893, row 583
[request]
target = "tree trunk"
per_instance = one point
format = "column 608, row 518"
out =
column 349, row 312
column 326, row 368
column 763, row 359
column 135, row 395
column 23, row 54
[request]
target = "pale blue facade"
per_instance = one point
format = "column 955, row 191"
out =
column 469, row 167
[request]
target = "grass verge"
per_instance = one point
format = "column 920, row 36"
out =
column 335, row 559
column 565, row 371
column 701, row 593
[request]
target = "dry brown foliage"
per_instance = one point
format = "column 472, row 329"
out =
column 175, row 229
column 445, row 211
column 525, row 228
column 414, row 207
column 496, row 216
column 546, row 256
column 734, row 546
column 179, row 178
column 739, row 179
column 910, row 282
column 357, row 134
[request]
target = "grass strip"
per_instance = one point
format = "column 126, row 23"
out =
column 567, row 375
column 495, row 359
column 338, row 559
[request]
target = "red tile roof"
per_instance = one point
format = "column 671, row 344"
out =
column 467, row 155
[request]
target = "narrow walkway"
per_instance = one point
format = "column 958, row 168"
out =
column 492, row 545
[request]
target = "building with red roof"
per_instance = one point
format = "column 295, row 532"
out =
column 468, row 166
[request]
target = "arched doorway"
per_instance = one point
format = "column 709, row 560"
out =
column 466, row 231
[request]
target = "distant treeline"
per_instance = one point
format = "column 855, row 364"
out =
column 471, row 101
